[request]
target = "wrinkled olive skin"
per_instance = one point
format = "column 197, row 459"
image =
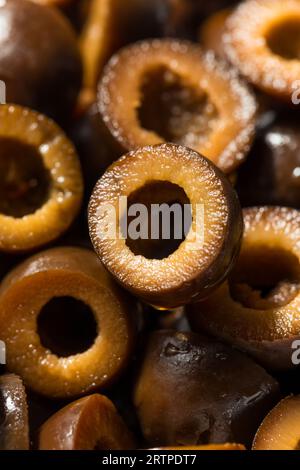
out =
column 39, row 58
column 271, row 174
column 192, row 390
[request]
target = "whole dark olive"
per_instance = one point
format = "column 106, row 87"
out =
column 271, row 174
column 39, row 59
column 14, row 430
column 192, row 390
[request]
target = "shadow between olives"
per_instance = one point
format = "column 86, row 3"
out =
column 66, row 326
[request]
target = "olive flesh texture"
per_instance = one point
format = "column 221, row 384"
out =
column 280, row 430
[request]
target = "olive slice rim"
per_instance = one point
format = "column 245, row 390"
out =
column 66, row 187
column 50, row 374
column 162, row 280
column 234, row 131
column 250, row 331
column 247, row 49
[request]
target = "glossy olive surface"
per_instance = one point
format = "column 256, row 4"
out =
column 14, row 432
column 39, row 58
column 271, row 174
column 191, row 390
column 90, row 423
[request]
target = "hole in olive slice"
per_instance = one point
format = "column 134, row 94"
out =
column 67, row 326
column 163, row 237
column 24, row 180
column 175, row 110
column 265, row 277
column 284, row 38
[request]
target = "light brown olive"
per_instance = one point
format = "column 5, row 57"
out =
column 168, row 90
column 41, row 183
column 257, row 309
column 65, row 290
column 212, row 30
column 110, row 24
column 263, row 41
column 90, row 423
column 280, row 430
column 171, row 269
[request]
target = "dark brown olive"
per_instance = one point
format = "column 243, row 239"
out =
column 192, row 390
column 184, row 16
column 271, row 174
column 39, row 58
column 14, row 432
column 94, row 145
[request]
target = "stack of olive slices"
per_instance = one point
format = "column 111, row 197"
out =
column 108, row 320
